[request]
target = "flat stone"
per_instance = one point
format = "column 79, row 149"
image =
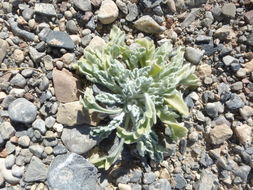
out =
column 193, row 55
column 65, row 85
column 59, row 39
column 72, row 113
column 244, row 133
column 28, row 113
column 77, row 139
column 191, row 17
column 132, row 12
column 108, row 12
column 36, row 171
column 76, row 171
column 83, row 5
column 45, row 9
column 7, row 130
column 212, row 110
column 229, row 10
column 3, row 49
column 220, row 133
column 35, row 55
column 148, row 25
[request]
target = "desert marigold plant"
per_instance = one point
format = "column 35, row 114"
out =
column 142, row 85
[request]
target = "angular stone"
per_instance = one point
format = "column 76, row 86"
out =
column 28, row 113
column 77, row 139
column 244, row 133
column 246, row 112
column 148, row 25
column 18, row 55
column 36, row 171
column 249, row 17
column 72, row 113
column 225, row 33
column 220, row 133
column 60, row 40
column 193, row 55
column 190, row 17
column 249, row 66
column 3, row 49
column 7, row 175
column 206, row 181
column 45, row 8
column 96, row 43
column 72, row 171
column 65, row 85
column 235, row 102
column 7, row 130
column 108, row 12
column 229, row 10
column 18, row 80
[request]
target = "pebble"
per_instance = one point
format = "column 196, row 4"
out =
column 249, row 17
column 77, row 139
column 72, row 27
column 148, row 25
column 190, row 17
column 18, row 80
column 228, row 60
column 3, row 49
column 180, row 181
column 149, row 178
column 225, row 33
column 18, row 56
column 108, row 12
column 193, row 55
column 244, row 132
column 35, row 55
column 18, row 171
column 27, row 13
column 235, row 102
column 220, row 133
column 246, row 112
column 133, row 12
column 249, row 66
column 58, row 127
column 76, row 171
column 206, row 181
column 97, row 43
column 48, row 150
column 65, row 86
column 229, row 10
column 48, row 62
column 7, row 175
column 83, row 5
column 9, row 161
column 68, row 58
column 7, row 130
column 122, row 6
column 243, row 172
column 39, row 125
column 59, row 149
column 18, row 93
column 36, row 171
column 212, row 110
column 36, row 150
column 45, row 9
column 24, row 141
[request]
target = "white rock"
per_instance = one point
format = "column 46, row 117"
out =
column 9, row 178
column 108, row 12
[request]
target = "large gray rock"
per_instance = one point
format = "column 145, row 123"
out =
column 77, row 139
column 23, row 111
column 71, row 171
column 36, row 171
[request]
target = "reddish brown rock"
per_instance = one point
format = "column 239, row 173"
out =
column 66, row 86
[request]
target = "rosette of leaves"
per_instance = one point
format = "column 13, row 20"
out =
column 142, row 84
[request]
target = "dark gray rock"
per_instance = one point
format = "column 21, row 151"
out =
column 235, row 102
column 45, row 9
column 59, row 149
column 19, row 32
column 211, row 110
column 77, row 139
column 36, row 171
column 18, row 80
column 76, row 171
column 193, row 55
column 180, row 181
column 83, row 5
column 60, row 40
column 28, row 113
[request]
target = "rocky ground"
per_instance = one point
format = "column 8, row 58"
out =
column 41, row 119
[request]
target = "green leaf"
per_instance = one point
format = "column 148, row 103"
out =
column 176, row 102
column 178, row 130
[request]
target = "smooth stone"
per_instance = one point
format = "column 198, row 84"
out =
column 7, row 175
column 18, row 56
column 108, row 12
column 83, row 5
column 193, row 55
column 133, row 12
column 235, row 102
column 36, row 171
column 35, row 55
column 59, row 39
column 27, row 13
column 180, row 181
column 244, row 132
column 18, row 80
column 17, row 92
column 229, row 10
column 246, row 112
column 3, row 49
column 249, row 17
column 97, row 43
column 28, row 114
column 9, row 161
column 249, row 66
column 148, row 25
column 36, row 150
column 18, row 171
column 39, row 125
column 77, row 139
column 76, row 171
column 24, row 141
